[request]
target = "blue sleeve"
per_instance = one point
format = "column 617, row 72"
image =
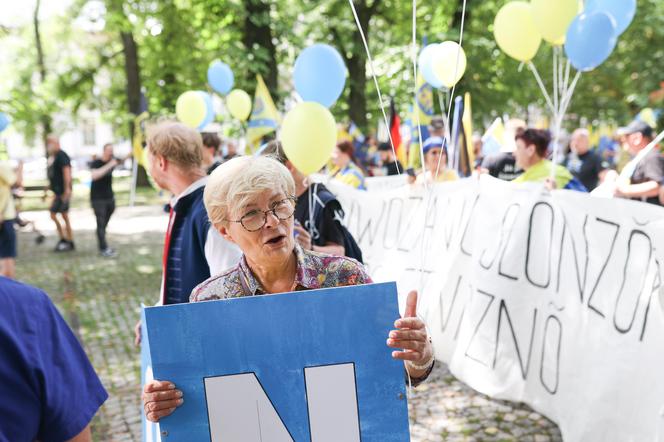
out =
column 71, row 391
column 575, row 184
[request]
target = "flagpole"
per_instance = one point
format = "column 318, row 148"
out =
column 134, row 181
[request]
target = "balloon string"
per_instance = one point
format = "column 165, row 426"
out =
column 419, row 134
column 567, row 99
column 561, row 73
column 533, row 69
column 566, row 81
column 555, row 78
column 451, row 95
column 456, row 66
column 416, row 109
column 568, row 96
column 375, row 79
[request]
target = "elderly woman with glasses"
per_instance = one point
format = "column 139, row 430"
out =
column 250, row 201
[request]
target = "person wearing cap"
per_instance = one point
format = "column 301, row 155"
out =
column 345, row 168
column 646, row 172
column 532, row 146
column 436, row 128
column 390, row 165
column 435, row 163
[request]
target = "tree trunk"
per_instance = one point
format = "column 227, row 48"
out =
column 45, row 119
column 257, row 32
column 133, row 74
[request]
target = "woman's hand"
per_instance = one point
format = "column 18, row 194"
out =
column 412, row 338
column 160, row 399
column 303, row 237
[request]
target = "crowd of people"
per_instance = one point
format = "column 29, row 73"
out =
column 245, row 225
column 622, row 172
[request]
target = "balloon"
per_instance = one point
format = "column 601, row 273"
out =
column 425, row 63
column 308, row 135
column 515, row 31
column 220, row 77
column 590, row 40
column 190, row 109
column 209, row 115
column 238, row 103
column 4, row 121
column 622, row 11
column 552, row 18
column 560, row 41
column 319, row 74
column 445, row 58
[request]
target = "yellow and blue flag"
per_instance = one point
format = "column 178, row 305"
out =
column 493, row 138
column 264, row 117
column 423, row 110
column 467, row 120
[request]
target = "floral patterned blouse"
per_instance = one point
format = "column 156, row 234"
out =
column 314, row 271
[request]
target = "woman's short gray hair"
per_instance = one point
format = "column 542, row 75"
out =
column 240, row 180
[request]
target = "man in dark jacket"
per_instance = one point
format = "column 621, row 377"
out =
column 193, row 249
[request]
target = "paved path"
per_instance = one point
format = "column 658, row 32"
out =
column 100, row 299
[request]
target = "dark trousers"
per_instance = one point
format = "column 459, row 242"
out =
column 103, row 210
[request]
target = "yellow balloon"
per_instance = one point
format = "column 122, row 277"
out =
column 559, row 42
column 552, row 18
column 515, row 31
column 190, row 108
column 308, row 135
column 444, row 63
column 238, row 103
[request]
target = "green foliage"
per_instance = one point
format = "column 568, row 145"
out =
column 177, row 39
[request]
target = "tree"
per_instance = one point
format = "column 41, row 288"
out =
column 45, row 117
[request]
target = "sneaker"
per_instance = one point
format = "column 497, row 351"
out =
column 108, row 253
column 71, row 246
column 61, row 246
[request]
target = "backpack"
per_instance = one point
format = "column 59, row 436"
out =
column 321, row 197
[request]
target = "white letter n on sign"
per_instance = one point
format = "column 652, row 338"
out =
column 332, row 403
column 240, row 410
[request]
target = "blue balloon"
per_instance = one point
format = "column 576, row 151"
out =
column 425, row 63
column 209, row 116
column 4, row 121
column 220, row 77
column 622, row 11
column 320, row 74
column 590, row 40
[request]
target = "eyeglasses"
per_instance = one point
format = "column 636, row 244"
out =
column 254, row 220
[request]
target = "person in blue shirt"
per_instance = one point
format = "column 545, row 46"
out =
column 48, row 389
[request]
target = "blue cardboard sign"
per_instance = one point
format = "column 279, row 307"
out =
column 149, row 430
column 309, row 365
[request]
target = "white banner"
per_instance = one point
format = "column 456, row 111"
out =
column 553, row 299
